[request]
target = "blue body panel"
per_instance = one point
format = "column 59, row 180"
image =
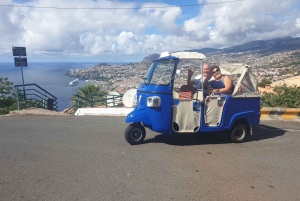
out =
column 157, row 119
column 235, row 109
column 239, row 108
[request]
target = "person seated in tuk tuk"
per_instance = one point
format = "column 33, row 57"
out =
column 197, row 81
column 220, row 85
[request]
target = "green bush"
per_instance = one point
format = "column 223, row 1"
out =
column 8, row 101
column 264, row 82
column 6, row 110
column 286, row 97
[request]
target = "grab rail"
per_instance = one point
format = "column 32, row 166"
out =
column 91, row 101
column 35, row 96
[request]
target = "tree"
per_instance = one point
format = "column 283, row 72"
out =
column 264, row 82
column 6, row 87
column 7, row 98
column 90, row 92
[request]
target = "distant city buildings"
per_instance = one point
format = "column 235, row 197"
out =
column 120, row 78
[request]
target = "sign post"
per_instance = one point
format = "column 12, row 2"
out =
column 18, row 52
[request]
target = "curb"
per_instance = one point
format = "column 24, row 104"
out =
column 290, row 114
column 35, row 112
column 104, row 111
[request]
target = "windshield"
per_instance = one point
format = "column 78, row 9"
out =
column 182, row 78
column 160, row 72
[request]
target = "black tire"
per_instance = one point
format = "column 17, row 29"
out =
column 135, row 134
column 239, row 133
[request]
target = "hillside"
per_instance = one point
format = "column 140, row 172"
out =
column 151, row 58
column 262, row 47
column 279, row 52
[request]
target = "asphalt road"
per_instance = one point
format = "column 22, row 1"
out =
column 87, row 158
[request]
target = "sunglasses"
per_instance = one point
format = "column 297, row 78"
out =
column 213, row 72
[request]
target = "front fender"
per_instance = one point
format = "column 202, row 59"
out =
column 138, row 116
column 251, row 116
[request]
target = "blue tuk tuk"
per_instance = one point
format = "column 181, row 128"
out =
column 161, row 107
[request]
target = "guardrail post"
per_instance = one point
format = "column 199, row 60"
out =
column 45, row 101
column 18, row 100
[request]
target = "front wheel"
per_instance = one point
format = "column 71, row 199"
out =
column 135, row 133
column 239, row 133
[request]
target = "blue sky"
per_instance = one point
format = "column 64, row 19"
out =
column 128, row 35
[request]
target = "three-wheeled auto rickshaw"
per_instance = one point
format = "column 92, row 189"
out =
column 163, row 107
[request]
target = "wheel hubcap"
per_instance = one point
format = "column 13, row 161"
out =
column 239, row 133
column 136, row 134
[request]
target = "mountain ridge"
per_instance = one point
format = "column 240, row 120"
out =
column 261, row 47
column 264, row 47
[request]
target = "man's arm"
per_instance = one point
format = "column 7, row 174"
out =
column 190, row 73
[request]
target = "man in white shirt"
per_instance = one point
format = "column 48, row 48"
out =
column 197, row 81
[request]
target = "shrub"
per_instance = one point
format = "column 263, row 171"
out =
column 286, row 97
column 264, row 82
column 8, row 101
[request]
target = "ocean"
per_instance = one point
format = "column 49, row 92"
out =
column 50, row 76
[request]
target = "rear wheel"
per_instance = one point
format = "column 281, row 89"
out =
column 239, row 133
column 135, row 133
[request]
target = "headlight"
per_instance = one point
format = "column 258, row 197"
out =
column 153, row 101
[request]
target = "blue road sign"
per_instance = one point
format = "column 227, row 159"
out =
column 20, row 61
column 19, row 51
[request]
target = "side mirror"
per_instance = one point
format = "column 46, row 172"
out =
column 221, row 100
column 178, row 73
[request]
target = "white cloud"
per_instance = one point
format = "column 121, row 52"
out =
column 92, row 33
column 244, row 21
column 298, row 23
column 164, row 18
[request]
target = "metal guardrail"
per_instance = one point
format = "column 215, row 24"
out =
column 92, row 100
column 35, row 96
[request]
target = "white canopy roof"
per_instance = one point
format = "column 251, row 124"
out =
column 187, row 55
column 233, row 68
